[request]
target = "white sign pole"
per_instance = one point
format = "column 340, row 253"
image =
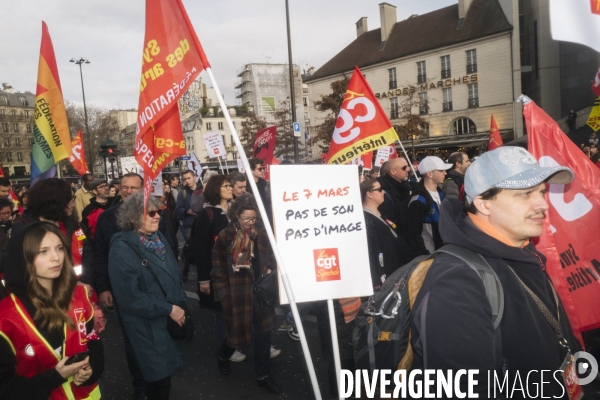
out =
column 261, row 208
column 220, row 165
column 334, row 342
column 409, row 162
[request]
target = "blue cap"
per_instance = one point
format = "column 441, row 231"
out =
column 510, row 167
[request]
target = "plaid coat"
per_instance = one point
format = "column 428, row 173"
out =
column 234, row 289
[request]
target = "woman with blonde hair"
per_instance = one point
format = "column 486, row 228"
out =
column 47, row 319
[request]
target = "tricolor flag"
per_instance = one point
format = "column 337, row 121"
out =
column 495, row 140
column 51, row 138
column 172, row 59
column 576, row 21
column 362, row 125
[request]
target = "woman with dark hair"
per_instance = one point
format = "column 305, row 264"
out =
column 52, row 200
column 241, row 252
column 139, row 263
column 47, row 319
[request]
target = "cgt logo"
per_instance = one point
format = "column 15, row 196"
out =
column 327, row 265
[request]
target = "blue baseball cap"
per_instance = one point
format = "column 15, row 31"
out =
column 510, row 167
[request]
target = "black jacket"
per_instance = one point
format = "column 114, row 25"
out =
column 88, row 273
column 13, row 386
column 395, row 194
column 453, row 185
column 422, row 232
column 265, row 194
column 451, row 318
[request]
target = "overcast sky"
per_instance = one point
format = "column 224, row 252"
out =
column 110, row 34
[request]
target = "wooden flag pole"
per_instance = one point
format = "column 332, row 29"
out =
column 261, row 207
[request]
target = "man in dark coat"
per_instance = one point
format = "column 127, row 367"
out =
column 453, row 187
column 258, row 173
column 394, row 180
column 451, row 321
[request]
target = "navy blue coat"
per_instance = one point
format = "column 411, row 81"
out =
column 143, row 307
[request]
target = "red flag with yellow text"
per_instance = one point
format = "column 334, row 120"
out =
column 172, row 58
column 570, row 233
column 495, row 140
column 77, row 157
column 362, row 125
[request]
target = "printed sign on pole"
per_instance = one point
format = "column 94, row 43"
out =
column 129, row 164
column 320, row 231
column 383, row 154
column 240, row 165
column 214, row 145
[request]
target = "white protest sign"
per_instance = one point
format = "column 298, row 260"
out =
column 129, row 164
column 383, row 154
column 194, row 165
column 240, row 165
column 320, row 231
column 214, row 145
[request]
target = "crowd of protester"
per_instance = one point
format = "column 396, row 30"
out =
column 70, row 253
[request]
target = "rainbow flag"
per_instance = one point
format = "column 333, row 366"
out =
column 51, row 138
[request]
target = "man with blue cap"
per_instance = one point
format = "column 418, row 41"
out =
column 452, row 319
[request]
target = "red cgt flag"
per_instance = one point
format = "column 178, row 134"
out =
column 362, row 125
column 264, row 147
column 77, row 157
column 172, row 59
column 495, row 138
column 570, row 233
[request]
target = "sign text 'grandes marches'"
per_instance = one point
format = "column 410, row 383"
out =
column 172, row 58
column 362, row 125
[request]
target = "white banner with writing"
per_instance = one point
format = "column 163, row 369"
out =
column 129, row 164
column 214, row 145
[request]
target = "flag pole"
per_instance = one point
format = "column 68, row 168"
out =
column 269, row 230
column 220, row 165
column 409, row 162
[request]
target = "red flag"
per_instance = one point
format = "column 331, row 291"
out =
column 570, row 233
column 172, row 59
column 77, row 157
column 495, row 138
column 12, row 196
column 362, row 125
column 393, row 152
column 264, row 147
column 367, row 160
column 596, row 84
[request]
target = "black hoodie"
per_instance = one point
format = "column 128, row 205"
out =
column 451, row 321
column 13, row 386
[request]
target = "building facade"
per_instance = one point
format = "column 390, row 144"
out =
column 16, row 132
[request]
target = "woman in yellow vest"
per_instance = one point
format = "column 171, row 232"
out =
column 46, row 319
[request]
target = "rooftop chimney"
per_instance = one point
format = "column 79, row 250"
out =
column 463, row 8
column 361, row 26
column 387, row 13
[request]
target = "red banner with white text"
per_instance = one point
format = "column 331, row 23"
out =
column 77, row 157
column 264, row 148
column 570, row 238
column 172, row 58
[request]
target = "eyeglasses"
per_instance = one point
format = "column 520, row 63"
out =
column 248, row 219
column 379, row 189
column 260, row 169
column 154, row 212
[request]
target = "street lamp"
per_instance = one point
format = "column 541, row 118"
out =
column 87, row 129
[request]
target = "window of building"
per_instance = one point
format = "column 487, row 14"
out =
column 471, row 61
column 23, row 101
column 26, row 113
column 6, row 142
column 3, row 100
column 16, row 128
column 208, row 126
column 20, row 171
column 392, row 74
column 5, row 127
column 220, row 125
column 28, row 126
column 305, row 101
column 473, row 95
column 461, row 126
column 19, row 156
column 423, row 106
column 30, row 141
column 9, row 156
column 393, row 107
column 13, row 114
column 447, row 93
column 421, row 72
column 2, row 114
column 17, row 141
column 446, row 67
column 306, row 117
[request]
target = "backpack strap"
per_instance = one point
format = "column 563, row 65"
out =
column 491, row 282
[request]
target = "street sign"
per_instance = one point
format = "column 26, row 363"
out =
column 185, row 158
column 296, row 129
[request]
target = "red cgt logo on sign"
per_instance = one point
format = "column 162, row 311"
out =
column 595, row 6
column 327, row 265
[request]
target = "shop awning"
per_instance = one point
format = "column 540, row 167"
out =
column 467, row 140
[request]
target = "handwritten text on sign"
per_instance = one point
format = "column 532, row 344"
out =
column 320, row 231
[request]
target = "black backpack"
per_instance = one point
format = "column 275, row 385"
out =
column 381, row 337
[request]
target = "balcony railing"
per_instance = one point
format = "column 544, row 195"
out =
column 422, row 78
column 447, row 106
column 446, row 73
column 393, row 84
column 471, row 68
column 474, row 102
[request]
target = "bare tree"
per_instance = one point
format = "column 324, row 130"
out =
column 250, row 126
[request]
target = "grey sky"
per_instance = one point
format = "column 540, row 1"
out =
column 233, row 32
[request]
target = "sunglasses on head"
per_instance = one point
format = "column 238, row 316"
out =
column 154, row 212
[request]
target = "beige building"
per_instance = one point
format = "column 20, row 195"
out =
column 456, row 75
column 16, row 132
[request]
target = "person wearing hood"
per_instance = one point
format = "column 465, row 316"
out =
column 46, row 319
column 52, row 200
column 422, row 230
column 451, row 321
